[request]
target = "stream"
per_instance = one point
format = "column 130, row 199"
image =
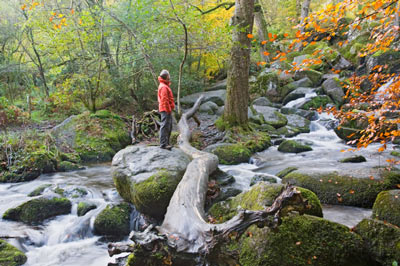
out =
column 68, row 240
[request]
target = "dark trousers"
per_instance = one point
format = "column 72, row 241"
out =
column 165, row 129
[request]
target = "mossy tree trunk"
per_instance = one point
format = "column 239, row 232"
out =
column 237, row 97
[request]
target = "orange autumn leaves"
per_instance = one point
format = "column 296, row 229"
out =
column 271, row 38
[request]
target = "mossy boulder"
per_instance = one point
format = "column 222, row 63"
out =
column 313, row 75
column 95, row 137
column 387, row 207
column 350, row 129
column 345, row 189
column 215, row 96
column 354, row 159
column 262, row 178
column 229, row 153
column 147, row 176
column 286, row 171
column 37, row 210
column 239, row 146
column 333, row 88
column 113, row 221
column 39, row 190
column 316, row 102
column 257, row 198
column 10, row 255
column 391, row 58
column 66, row 166
column 271, row 116
column 381, row 241
column 300, row 123
column 85, row 207
column 300, row 240
column 292, row 146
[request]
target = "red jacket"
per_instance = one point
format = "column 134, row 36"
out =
column 165, row 96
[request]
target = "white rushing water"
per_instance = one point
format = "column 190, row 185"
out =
column 325, row 156
column 66, row 240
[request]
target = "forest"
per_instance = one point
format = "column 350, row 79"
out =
column 285, row 135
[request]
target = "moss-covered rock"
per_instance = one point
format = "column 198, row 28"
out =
column 300, row 240
column 152, row 195
column 316, row 102
column 395, row 153
column 10, row 255
column 37, row 210
column 262, row 178
column 113, row 221
column 387, row 207
column 147, row 176
column 66, row 166
column 332, row 188
column 39, row 190
column 85, row 207
column 271, row 116
column 354, row 159
column 95, row 137
column 313, row 75
column 292, row 146
column 381, row 241
column 257, row 198
column 350, row 129
column 286, row 171
column 232, row 153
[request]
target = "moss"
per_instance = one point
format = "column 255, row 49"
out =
column 174, row 138
column 381, row 240
column 395, row 153
column 387, row 207
column 351, row 129
column 70, row 157
column 300, row 240
column 10, row 255
column 99, row 137
column 317, row 102
column 291, row 146
column 152, row 196
column 332, row 188
column 286, row 171
column 232, row 154
column 37, row 210
column 113, row 221
column 39, row 190
column 59, row 191
column 257, row 198
column 354, row 159
column 66, row 166
column 221, row 124
column 84, row 207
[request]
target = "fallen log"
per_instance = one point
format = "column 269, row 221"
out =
column 185, row 234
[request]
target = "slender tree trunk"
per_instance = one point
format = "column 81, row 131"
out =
column 305, row 10
column 237, row 95
column 262, row 32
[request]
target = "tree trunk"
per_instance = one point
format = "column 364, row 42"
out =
column 237, row 94
column 185, row 233
column 305, row 10
column 262, row 32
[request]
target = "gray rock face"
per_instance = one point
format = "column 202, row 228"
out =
column 304, row 82
column 334, row 90
column 310, row 115
column 217, row 97
column 298, row 122
column 262, row 101
column 313, row 75
column 296, row 94
column 343, row 64
column 139, row 162
column 209, row 108
column 271, row 116
column 330, row 76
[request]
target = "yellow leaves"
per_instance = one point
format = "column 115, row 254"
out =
column 264, row 42
column 266, row 53
column 285, row 35
column 23, row 7
column 72, row 11
column 250, row 36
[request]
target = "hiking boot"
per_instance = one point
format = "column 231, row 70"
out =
column 168, row 147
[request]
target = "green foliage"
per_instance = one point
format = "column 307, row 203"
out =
column 10, row 255
column 113, row 221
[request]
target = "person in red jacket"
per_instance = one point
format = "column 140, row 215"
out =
column 165, row 106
